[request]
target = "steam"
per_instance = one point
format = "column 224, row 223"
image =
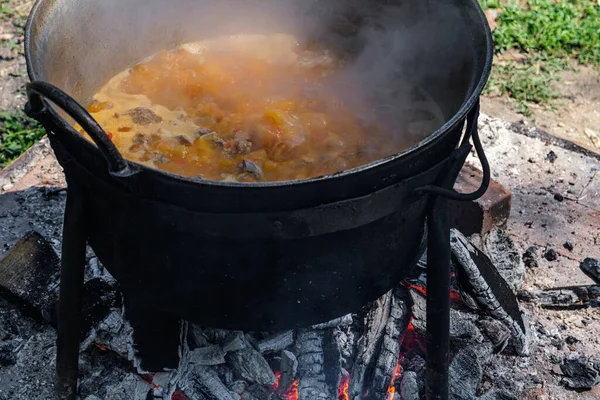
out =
column 401, row 63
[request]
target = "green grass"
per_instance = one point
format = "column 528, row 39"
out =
column 17, row 133
column 550, row 33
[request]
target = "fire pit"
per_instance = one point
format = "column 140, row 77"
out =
column 255, row 256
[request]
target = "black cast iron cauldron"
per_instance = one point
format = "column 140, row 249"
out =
column 251, row 256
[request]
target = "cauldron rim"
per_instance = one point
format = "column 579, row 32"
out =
column 457, row 118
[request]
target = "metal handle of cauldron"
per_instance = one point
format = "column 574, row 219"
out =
column 438, row 258
column 465, row 146
column 38, row 108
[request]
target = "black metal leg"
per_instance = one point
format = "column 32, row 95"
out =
column 70, row 301
column 438, row 300
column 156, row 335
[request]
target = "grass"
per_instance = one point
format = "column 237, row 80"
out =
column 17, row 133
column 550, row 33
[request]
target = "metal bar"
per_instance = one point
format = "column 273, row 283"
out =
column 71, row 292
column 438, row 300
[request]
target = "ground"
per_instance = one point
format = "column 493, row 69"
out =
column 576, row 116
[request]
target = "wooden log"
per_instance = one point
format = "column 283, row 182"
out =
column 369, row 343
column 389, row 350
column 28, row 273
column 202, row 383
column 319, row 365
column 478, row 276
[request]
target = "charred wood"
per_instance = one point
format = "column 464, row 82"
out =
column 251, row 366
column 257, row 392
column 375, row 323
column 195, row 337
column 207, row 355
column 202, row 383
column 319, row 365
column 465, row 374
column 28, row 274
column 289, row 369
column 236, row 340
column 389, row 350
column 276, row 342
column 563, row 298
column 238, row 387
column 335, row 323
column 478, row 276
column 496, row 332
column 409, row 386
column 463, row 331
column 591, row 267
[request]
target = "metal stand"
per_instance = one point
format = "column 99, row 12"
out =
column 438, row 259
column 71, row 294
column 438, row 300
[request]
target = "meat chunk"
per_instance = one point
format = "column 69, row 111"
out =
column 144, row 116
column 183, row 140
column 239, row 145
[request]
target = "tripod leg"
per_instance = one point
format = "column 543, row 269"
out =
column 70, row 301
column 438, row 300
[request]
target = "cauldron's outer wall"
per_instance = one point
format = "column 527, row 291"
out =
column 254, row 271
column 260, row 256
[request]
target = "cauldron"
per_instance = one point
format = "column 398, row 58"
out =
column 250, row 256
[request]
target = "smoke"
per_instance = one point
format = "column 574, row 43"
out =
column 407, row 67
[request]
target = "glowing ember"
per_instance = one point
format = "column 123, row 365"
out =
column 397, row 372
column 291, row 394
column 177, row 395
column 100, row 346
column 148, row 378
column 343, row 389
column 454, row 295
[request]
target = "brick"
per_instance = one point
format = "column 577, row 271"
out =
column 481, row 215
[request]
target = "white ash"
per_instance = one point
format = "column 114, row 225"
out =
column 505, row 254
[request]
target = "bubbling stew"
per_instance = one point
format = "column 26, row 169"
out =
column 243, row 108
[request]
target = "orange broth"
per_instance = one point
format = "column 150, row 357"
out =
column 243, row 109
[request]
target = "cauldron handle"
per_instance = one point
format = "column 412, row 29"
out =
column 37, row 107
column 465, row 146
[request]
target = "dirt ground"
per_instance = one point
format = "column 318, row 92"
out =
column 576, row 116
column 13, row 72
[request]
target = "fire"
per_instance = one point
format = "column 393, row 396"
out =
column 292, row 393
column 397, row 372
column 343, row 389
